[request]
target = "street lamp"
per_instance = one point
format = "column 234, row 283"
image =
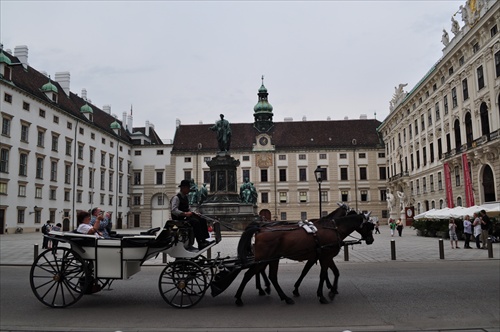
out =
column 319, row 173
column 354, row 143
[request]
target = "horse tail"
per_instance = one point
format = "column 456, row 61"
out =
column 245, row 243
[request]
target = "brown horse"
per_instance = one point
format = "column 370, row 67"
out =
column 273, row 242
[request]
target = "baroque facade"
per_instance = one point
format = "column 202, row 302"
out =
column 443, row 137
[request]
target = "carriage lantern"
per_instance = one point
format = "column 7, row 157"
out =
column 319, row 173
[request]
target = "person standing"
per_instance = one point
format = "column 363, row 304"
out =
column 180, row 211
column 399, row 227
column 377, row 230
column 477, row 230
column 467, row 232
column 452, row 228
column 55, row 243
column 392, row 226
column 45, row 231
column 485, row 228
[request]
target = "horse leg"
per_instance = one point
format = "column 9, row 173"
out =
column 252, row 271
column 333, row 289
column 257, row 284
column 273, row 276
column 266, row 282
column 305, row 270
column 322, row 276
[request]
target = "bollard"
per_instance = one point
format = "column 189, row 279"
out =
column 164, row 257
column 35, row 251
column 490, row 248
column 209, row 253
column 441, row 249
column 346, row 253
column 393, row 250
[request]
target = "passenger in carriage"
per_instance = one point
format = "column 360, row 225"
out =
column 103, row 225
column 181, row 211
column 84, row 226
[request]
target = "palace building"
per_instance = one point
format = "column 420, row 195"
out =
column 442, row 138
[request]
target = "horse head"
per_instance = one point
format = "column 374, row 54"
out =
column 366, row 229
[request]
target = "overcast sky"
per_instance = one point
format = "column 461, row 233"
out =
column 194, row 60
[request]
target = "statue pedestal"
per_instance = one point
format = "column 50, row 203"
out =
column 224, row 201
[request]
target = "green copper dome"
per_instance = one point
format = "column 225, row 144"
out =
column 263, row 106
column 115, row 125
column 47, row 87
column 4, row 59
column 86, row 109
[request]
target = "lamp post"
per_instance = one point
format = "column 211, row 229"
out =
column 354, row 143
column 319, row 174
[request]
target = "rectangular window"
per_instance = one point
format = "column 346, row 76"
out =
column 4, row 160
column 38, row 192
column 302, row 157
column 418, row 187
column 187, row 175
column 418, row 159
column 110, row 181
column 55, row 142
column 322, row 156
column 282, row 157
column 187, row 159
column 137, row 200
column 457, row 176
column 342, row 155
column 22, row 190
column 454, row 100
column 424, row 155
column 440, row 149
column 409, row 132
column 264, row 197
column 206, row 159
column 429, row 118
column 382, row 174
column 246, row 174
column 24, row 133
column 101, row 199
column 111, row 161
column 302, row 174
column 383, row 195
column 303, row 196
column 416, row 127
column 80, row 151
column 422, row 121
column 159, row 153
column 91, row 177
column 120, row 183
column 475, row 48
column 53, row 170
column 67, row 173
column 381, row 155
column 445, row 104
column 324, row 196
column 159, row 177
column 23, row 164
column 67, row 195
column 362, row 155
column 436, row 111
column 7, row 98
column 480, row 78
column 497, row 64
column 103, row 179
column 103, row 159
column 69, row 125
column 364, row 195
column 283, row 197
column 424, row 185
column 56, row 119
column 79, row 176
column 440, row 181
column 26, row 106
column 5, row 126
column 461, row 61
column 450, row 71
column 431, row 150
column 282, row 175
column 263, row 175
column 362, row 173
column 343, row 174
column 303, row 215
column 20, row 216
column 137, row 153
column 41, row 113
column 52, row 194
column 344, row 196
column 493, row 30
column 431, row 182
column 465, row 89
column 40, row 142
column 246, row 158
column 283, row 216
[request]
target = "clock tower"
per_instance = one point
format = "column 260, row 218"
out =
column 263, row 111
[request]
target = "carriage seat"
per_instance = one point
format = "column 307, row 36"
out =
column 151, row 231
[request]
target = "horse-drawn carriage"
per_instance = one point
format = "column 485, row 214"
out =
column 59, row 278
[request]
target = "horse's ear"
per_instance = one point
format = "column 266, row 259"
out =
column 340, row 204
column 367, row 215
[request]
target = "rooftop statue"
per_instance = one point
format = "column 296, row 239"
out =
column 455, row 28
column 399, row 95
column 445, row 39
column 223, row 130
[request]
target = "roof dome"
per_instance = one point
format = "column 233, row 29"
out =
column 86, row 109
column 263, row 106
column 115, row 125
column 47, row 87
column 4, row 59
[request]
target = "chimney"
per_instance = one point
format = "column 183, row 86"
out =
column 328, row 118
column 146, row 131
column 288, row 119
column 346, row 118
column 129, row 123
column 304, row 118
column 177, row 123
column 63, row 78
column 124, row 120
column 84, row 94
column 107, row 109
column 363, row 117
column 21, row 52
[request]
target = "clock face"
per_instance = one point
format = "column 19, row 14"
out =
column 409, row 213
column 263, row 141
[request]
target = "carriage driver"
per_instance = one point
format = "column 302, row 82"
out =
column 180, row 211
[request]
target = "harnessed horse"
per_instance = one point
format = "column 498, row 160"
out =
column 275, row 241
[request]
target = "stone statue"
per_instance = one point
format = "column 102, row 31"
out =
column 193, row 193
column 401, row 196
column 203, row 193
column 445, row 39
column 390, row 200
column 399, row 95
column 248, row 193
column 223, row 129
column 455, row 28
column 465, row 14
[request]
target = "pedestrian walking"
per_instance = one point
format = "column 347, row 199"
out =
column 399, row 227
column 377, row 230
column 392, row 226
column 477, row 230
column 467, row 232
column 45, row 231
column 485, row 228
column 452, row 228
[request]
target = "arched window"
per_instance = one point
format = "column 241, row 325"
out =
column 459, row 201
column 433, row 205
column 441, row 204
column 488, row 184
column 458, row 140
column 485, row 122
column 468, row 129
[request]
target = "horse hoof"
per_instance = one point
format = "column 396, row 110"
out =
column 322, row 300
column 239, row 302
column 296, row 293
column 289, row 301
column 332, row 294
column 268, row 290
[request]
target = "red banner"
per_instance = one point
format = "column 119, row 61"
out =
column 447, row 182
column 469, row 195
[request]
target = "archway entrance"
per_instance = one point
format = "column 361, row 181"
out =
column 488, row 184
column 265, row 214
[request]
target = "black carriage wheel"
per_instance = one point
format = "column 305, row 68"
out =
column 59, row 280
column 182, row 283
column 207, row 268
